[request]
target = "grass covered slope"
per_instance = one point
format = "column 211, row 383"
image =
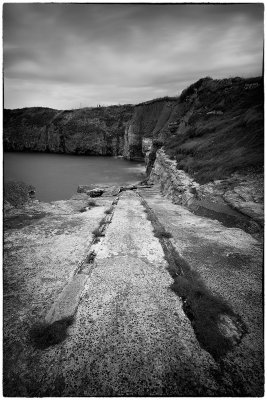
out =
column 220, row 128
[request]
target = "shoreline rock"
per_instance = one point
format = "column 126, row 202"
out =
column 240, row 196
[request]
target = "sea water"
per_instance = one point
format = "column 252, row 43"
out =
column 57, row 176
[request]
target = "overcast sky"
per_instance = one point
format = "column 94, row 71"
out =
column 70, row 55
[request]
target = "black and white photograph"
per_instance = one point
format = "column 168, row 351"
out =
column 133, row 199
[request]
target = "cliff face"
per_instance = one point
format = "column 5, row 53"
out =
column 211, row 159
column 203, row 147
column 212, row 130
column 117, row 130
column 150, row 121
column 92, row 131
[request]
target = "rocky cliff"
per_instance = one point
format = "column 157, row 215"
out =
column 150, row 121
column 204, row 147
column 236, row 201
column 206, row 150
column 92, row 131
column 213, row 129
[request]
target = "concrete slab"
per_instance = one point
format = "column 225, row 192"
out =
column 66, row 304
column 39, row 261
column 130, row 233
column 230, row 262
column 130, row 336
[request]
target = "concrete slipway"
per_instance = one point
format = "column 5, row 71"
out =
column 130, row 335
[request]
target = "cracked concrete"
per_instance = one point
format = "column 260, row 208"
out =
column 230, row 262
column 130, row 335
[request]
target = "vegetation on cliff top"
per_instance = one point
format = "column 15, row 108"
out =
column 224, row 132
column 158, row 99
column 213, row 129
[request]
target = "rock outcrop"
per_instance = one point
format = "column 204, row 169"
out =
column 91, row 131
column 17, row 194
column 207, row 152
column 204, row 147
column 235, row 201
column 150, row 121
column 175, row 184
column 217, row 117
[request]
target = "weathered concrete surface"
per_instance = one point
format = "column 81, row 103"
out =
column 40, row 258
column 230, row 263
column 67, row 303
column 130, row 335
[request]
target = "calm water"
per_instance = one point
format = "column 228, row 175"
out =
column 57, row 176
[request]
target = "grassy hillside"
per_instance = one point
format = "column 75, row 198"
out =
column 220, row 129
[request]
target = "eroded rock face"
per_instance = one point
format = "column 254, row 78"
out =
column 91, row 131
column 150, row 121
column 193, row 129
column 236, row 201
column 132, row 143
column 175, row 184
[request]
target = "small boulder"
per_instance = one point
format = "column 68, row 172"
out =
column 95, row 192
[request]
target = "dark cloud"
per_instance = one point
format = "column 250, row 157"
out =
column 62, row 55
